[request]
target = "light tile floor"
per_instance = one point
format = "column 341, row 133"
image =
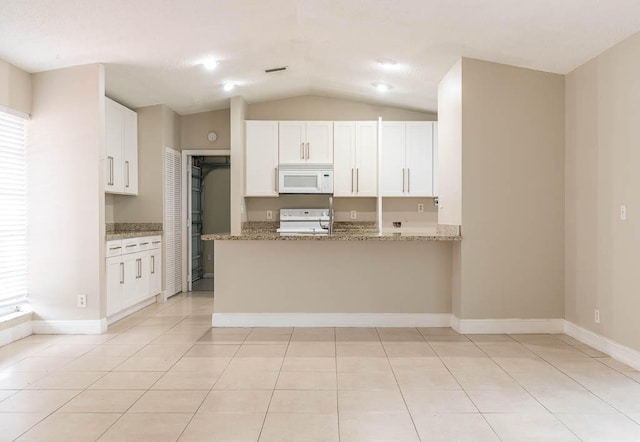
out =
column 165, row 374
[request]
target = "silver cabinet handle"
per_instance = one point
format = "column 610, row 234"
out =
column 115, row 248
column 352, row 180
column 357, row 180
column 110, row 182
column 131, row 245
column 307, row 151
column 276, row 179
column 122, row 273
column 403, row 175
column 126, row 165
column 156, row 242
column 408, row 180
column 144, row 243
column 302, row 151
column 140, row 266
column 153, row 264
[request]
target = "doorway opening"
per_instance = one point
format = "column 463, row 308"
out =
column 207, row 210
column 208, row 213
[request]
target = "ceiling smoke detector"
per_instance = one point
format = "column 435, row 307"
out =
column 280, row 69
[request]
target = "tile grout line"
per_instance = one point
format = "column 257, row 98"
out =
column 415, row 428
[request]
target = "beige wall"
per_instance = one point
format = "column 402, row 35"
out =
column 450, row 147
column 65, row 155
column 195, row 127
column 15, row 88
column 311, row 107
column 602, row 158
column 217, row 204
column 332, row 277
column 512, row 255
column 238, row 111
column 158, row 128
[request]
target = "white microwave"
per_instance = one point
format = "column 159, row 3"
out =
column 305, row 178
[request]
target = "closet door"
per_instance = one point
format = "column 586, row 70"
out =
column 172, row 222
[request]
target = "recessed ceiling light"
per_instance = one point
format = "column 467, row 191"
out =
column 382, row 87
column 210, row 64
column 387, row 62
column 227, row 86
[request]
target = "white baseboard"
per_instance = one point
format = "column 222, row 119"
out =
column 617, row 351
column 134, row 308
column 506, row 326
column 70, row 327
column 16, row 332
column 331, row 320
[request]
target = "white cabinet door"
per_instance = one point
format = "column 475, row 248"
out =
column 419, row 154
column 292, row 138
column 261, row 174
column 114, row 124
column 142, row 281
column 115, row 282
column 366, row 158
column 155, row 272
column 344, row 137
column 130, row 278
column 130, row 150
column 319, row 147
column 393, row 167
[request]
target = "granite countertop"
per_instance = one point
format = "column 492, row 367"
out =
column 357, row 232
column 132, row 230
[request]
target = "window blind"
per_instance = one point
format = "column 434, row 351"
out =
column 13, row 212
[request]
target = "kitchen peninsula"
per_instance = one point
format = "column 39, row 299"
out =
column 355, row 277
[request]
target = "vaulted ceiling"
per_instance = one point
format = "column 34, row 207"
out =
column 153, row 50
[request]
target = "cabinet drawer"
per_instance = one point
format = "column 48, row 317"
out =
column 130, row 245
column 114, row 248
column 144, row 243
column 156, row 242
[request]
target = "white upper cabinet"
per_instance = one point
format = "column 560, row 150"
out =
column 306, row 142
column 261, row 177
column 355, row 158
column 121, row 145
column 407, row 159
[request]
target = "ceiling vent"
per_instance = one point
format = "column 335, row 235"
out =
column 269, row 71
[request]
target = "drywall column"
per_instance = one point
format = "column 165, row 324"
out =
column 602, row 158
column 238, row 212
column 512, row 256
column 65, row 157
column 15, row 89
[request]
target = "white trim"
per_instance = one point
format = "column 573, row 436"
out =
column 16, row 332
column 617, row 351
column 134, row 308
column 331, row 319
column 507, row 326
column 70, row 327
column 186, row 211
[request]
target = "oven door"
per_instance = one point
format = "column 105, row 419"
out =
column 300, row 181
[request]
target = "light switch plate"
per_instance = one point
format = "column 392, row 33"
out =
column 623, row 213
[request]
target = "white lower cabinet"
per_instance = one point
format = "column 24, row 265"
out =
column 135, row 274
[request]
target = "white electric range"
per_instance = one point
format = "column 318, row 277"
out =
column 304, row 222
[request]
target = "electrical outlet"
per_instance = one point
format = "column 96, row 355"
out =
column 269, row 214
column 82, row 301
column 420, row 207
column 623, row 213
column 354, row 214
column 596, row 316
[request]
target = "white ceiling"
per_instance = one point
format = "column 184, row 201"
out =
column 152, row 48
